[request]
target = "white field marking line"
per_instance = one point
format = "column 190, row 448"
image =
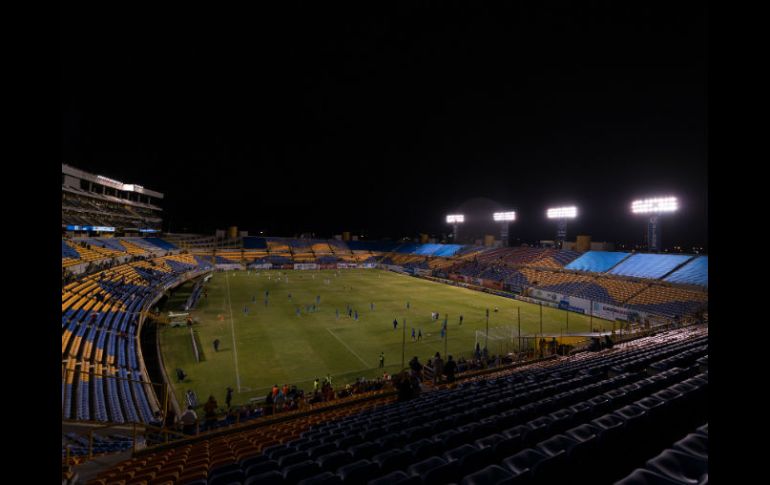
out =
column 232, row 329
column 346, row 346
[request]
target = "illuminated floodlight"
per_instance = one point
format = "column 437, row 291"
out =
column 455, row 219
column 657, row 205
column 562, row 213
column 504, row 216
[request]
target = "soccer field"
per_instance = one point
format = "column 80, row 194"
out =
column 265, row 344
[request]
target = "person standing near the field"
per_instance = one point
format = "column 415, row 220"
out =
column 419, row 334
column 382, row 360
column 318, row 299
column 229, row 397
column 414, row 337
column 395, row 323
column 315, row 384
column 350, row 312
column 216, row 345
column 356, row 317
column 298, row 311
column 371, row 306
column 461, row 319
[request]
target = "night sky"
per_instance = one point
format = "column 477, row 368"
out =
column 322, row 119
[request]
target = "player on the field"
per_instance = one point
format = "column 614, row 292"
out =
column 395, row 324
column 419, row 334
column 414, row 337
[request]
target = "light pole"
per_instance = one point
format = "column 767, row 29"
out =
column 504, row 218
column 455, row 220
column 654, row 207
column 562, row 215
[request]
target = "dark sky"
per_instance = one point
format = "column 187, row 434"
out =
column 316, row 118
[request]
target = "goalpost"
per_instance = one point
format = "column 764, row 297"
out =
column 503, row 340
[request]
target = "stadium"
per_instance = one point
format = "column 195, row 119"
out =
column 417, row 247
column 313, row 343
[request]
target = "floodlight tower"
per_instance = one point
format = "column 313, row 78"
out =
column 654, row 207
column 455, row 220
column 562, row 215
column 504, row 218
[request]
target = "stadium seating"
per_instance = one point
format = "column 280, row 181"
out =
column 68, row 252
column 339, row 247
column 554, row 258
column 597, row 261
column 652, row 266
column 609, row 290
column 276, row 245
column 161, row 243
column 567, row 283
column 669, row 301
column 583, row 419
column 225, row 256
column 685, row 462
column 254, row 243
column 447, row 250
column 101, row 369
column 695, row 272
column 320, row 248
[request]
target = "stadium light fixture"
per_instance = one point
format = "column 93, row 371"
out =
column 562, row 215
column 504, row 216
column 654, row 207
column 455, row 220
column 562, row 212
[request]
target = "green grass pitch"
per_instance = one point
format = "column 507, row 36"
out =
column 272, row 345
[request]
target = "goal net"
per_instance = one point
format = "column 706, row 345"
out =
column 502, row 339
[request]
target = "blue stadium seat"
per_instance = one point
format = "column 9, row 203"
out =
column 597, row 261
column 678, row 466
column 491, row 475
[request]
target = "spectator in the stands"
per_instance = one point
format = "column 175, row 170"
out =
column 189, row 418
column 210, row 410
column 170, row 418
column 438, row 368
column 449, row 369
